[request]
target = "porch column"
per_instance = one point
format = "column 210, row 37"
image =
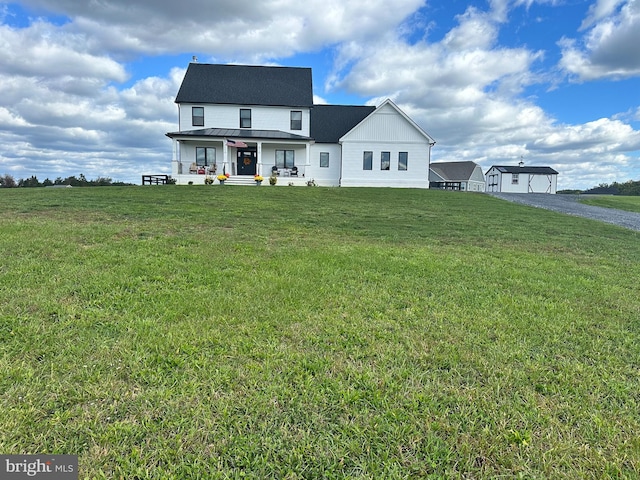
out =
column 176, row 166
column 259, row 164
column 225, row 156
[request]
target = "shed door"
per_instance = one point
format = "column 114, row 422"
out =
column 493, row 183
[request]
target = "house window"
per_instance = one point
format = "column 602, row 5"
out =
column 197, row 116
column 385, row 160
column 285, row 158
column 296, row 120
column 324, row 159
column 367, row 161
column 205, row 156
column 245, row 118
column 514, row 179
column 403, row 160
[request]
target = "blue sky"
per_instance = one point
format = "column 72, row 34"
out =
column 88, row 87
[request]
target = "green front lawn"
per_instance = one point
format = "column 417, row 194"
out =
column 226, row 332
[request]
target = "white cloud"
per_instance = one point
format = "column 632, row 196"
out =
column 45, row 51
column 65, row 85
column 241, row 28
column 475, row 31
column 600, row 136
column 600, row 10
column 466, row 95
column 53, row 129
column 65, row 108
column 609, row 49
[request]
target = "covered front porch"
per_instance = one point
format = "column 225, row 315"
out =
column 238, row 180
column 206, row 153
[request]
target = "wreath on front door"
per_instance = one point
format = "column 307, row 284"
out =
column 247, row 161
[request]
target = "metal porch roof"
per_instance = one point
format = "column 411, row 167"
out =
column 239, row 133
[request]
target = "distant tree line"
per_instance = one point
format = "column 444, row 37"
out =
column 7, row 181
column 631, row 188
column 627, row 188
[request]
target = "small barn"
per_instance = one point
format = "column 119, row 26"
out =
column 465, row 176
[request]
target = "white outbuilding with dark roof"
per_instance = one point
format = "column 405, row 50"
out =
column 521, row 179
column 248, row 120
column 465, row 176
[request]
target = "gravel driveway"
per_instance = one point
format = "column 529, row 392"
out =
column 570, row 205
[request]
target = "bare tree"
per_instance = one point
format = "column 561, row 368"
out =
column 7, row 181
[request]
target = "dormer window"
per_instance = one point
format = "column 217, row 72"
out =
column 197, row 116
column 296, row 120
column 245, row 118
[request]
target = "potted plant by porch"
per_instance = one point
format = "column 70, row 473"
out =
column 273, row 179
column 258, row 179
column 222, row 178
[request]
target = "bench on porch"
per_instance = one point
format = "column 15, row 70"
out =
column 285, row 172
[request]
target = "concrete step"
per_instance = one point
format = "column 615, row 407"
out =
column 240, row 180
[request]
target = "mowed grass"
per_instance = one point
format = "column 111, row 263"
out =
column 629, row 203
column 227, row 332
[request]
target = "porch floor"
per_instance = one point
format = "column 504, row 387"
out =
column 239, row 180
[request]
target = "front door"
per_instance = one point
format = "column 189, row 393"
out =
column 247, row 162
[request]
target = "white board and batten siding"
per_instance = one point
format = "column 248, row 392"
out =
column 268, row 155
column 525, row 182
column 543, row 183
column 325, row 176
column 262, row 117
column 477, row 182
column 387, row 129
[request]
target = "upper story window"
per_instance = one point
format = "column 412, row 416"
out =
column 514, row 178
column 385, row 160
column 245, row 118
column 296, row 120
column 403, row 160
column 367, row 161
column 197, row 116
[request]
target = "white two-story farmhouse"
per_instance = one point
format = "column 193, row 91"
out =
column 248, row 120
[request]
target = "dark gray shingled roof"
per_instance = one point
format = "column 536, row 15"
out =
column 330, row 122
column 454, row 171
column 246, row 85
column 238, row 133
column 534, row 170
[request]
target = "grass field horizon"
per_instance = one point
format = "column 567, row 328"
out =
column 620, row 202
column 225, row 332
